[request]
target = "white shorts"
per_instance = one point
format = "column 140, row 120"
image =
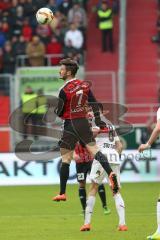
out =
column 98, row 174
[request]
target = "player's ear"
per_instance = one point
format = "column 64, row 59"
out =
column 68, row 73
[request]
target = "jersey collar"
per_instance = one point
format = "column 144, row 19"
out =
column 68, row 82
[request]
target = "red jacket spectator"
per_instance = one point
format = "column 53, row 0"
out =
column 4, row 5
column 54, row 47
column 26, row 31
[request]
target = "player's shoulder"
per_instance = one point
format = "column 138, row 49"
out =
column 72, row 85
column 76, row 85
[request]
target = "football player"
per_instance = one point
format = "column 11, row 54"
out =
column 74, row 96
column 83, row 167
column 110, row 145
column 142, row 147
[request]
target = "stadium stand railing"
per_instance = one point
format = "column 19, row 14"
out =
column 22, row 60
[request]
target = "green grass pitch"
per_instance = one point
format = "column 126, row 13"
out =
column 27, row 213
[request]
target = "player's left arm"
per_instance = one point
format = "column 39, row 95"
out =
column 119, row 145
column 60, row 106
column 96, row 109
column 153, row 137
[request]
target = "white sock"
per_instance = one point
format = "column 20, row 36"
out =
column 89, row 209
column 158, row 216
column 120, row 207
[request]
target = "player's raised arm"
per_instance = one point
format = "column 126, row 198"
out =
column 96, row 109
column 119, row 146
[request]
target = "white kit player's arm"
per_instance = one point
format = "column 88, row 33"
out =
column 119, row 146
column 95, row 131
column 154, row 135
column 118, row 143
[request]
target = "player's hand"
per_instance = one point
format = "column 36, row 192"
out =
column 143, row 147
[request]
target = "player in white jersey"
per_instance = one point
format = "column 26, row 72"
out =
column 142, row 147
column 111, row 146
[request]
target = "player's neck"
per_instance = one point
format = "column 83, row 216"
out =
column 70, row 78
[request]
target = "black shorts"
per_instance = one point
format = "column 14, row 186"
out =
column 82, row 170
column 76, row 130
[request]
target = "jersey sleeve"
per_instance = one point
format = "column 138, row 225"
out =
column 158, row 114
column 59, row 110
column 94, row 104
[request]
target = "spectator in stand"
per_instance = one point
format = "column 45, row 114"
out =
column 5, row 4
column 1, row 60
column 39, row 3
column 14, row 42
column 71, row 52
column 58, row 2
column 105, row 24
column 29, row 8
column 8, row 59
column 59, row 35
column 64, row 28
column 84, row 3
column 18, row 21
column 20, row 48
column 68, row 50
column 6, row 30
column 13, row 8
column 59, row 17
column 36, row 52
column 44, row 32
column 78, row 57
column 5, row 17
column 52, row 5
column 27, row 30
column 78, row 15
column 54, row 47
column 74, row 38
column 22, row 3
column 65, row 6
column 2, row 36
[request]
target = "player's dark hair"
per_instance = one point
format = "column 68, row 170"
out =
column 71, row 65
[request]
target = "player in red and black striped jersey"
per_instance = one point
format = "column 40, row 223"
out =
column 83, row 167
column 74, row 98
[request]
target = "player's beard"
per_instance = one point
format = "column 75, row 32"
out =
column 64, row 78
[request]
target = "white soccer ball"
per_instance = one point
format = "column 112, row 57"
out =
column 44, row 16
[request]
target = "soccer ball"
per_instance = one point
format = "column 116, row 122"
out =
column 44, row 16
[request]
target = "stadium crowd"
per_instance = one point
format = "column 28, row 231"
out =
column 21, row 35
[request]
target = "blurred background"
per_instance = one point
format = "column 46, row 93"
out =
column 121, row 59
